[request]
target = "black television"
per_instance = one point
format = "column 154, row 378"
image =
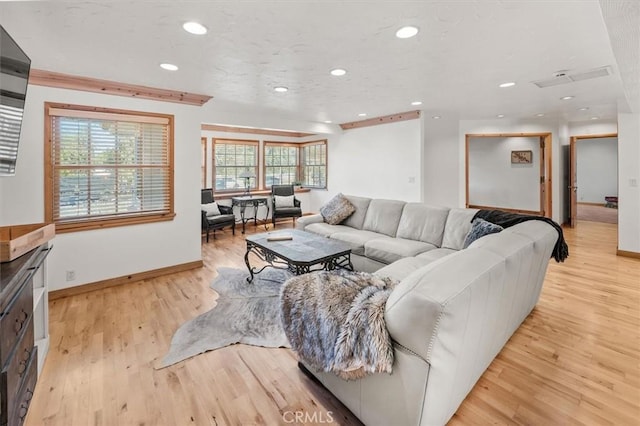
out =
column 14, row 75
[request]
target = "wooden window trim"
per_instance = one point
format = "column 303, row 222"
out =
column 264, row 162
column 226, row 141
column 326, row 165
column 102, row 222
column 203, row 146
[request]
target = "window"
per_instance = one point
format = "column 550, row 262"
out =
column 280, row 163
column 314, row 164
column 203, row 164
column 232, row 158
column 107, row 167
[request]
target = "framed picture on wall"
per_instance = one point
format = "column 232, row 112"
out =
column 521, row 157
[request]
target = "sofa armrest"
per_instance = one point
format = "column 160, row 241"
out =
column 296, row 202
column 305, row 221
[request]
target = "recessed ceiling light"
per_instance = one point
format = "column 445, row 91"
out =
column 436, row 117
column 566, row 98
column 338, row 72
column 407, row 32
column 507, row 84
column 540, row 115
column 328, row 121
column 583, row 109
column 362, row 114
column 416, row 103
column 169, row 67
column 194, row 28
column 595, row 118
column 280, row 89
column 500, row 115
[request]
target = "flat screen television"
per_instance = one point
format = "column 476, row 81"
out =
column 14, row 75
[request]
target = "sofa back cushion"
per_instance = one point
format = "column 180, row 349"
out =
column 457, row 227
column 356, row 220
column 423, row 222
column 383, row 216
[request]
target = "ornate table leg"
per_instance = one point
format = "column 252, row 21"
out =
column 255, row 213
column 242, row 219
column 246, row 261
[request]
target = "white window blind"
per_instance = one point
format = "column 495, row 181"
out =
column 109, row 165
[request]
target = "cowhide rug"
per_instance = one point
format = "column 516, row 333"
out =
column 246, row 313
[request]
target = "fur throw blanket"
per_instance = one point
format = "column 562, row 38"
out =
column 334, row 320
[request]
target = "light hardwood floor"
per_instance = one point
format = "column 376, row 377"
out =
column 575, row 359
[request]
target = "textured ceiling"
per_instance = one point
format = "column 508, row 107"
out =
column 454, row 65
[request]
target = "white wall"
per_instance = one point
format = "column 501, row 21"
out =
column 628, row 182
column 496, row 182
column 597, row 169
column 102, row 254
column 441, row 166
column 382, row 161
column 518, row 126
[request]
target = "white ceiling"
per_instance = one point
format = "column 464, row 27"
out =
column 463, row 51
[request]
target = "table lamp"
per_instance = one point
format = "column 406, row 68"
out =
column 247, row 177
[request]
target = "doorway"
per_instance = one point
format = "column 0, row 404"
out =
column 593, row 178
column 509, row 171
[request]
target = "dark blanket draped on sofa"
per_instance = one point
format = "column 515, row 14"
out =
column 506, row 219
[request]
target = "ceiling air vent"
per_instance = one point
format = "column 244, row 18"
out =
column 566, row 77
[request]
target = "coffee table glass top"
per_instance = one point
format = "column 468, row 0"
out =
column 302, row 248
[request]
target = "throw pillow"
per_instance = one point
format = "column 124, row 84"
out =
column 337, row 209
column 283, row 200
column 480, row 228
column 211, row 209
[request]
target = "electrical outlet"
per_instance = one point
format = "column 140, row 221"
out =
column 633, row 182
column 71, row 275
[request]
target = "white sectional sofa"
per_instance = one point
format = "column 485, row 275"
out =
column 381, row 232
column 452, row 311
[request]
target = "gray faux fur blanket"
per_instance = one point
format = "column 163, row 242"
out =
column 335, row 321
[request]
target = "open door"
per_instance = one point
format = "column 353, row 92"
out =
column 541, row 184
column 573, row 188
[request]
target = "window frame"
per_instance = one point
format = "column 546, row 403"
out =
column 106, row 221
column 279, row 144
column 229, row 141
column 203, row 164
column 322, row 142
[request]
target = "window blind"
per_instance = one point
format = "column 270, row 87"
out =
column 108, row 164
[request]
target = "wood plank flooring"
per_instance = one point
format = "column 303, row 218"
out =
column 575, row 359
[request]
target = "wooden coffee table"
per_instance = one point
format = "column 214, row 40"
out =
column 304, row 252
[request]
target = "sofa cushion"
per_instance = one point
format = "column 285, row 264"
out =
column 423, row 222
column 337, row 209
column 388, row 250
column 356, row 220
column 221, row 218
column 457, row 227
column 402, row 268
column 383, row 216
column 436, row 254
column 357, row 238
column 480, row 228
column 325, row 229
